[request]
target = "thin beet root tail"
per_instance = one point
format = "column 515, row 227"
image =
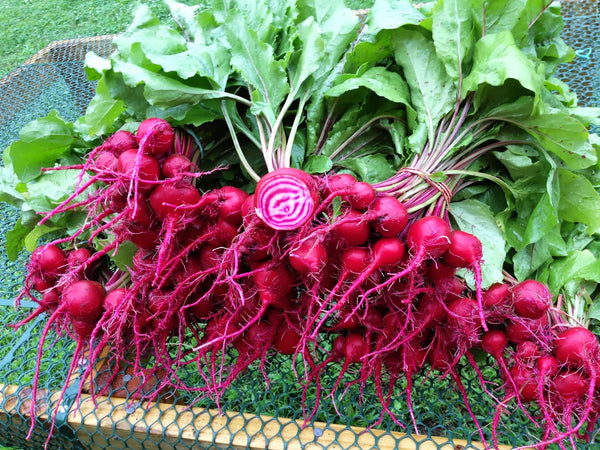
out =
column 412, row 266
column 409, row 387
column 541, row 401
column 341, row 302
column 477, row 370
column 466, row 402
column 168, row 232
column 313, row 377
column 321, row 313
column 223, row 338
column 584, row 416
column 39, row 310
column 77, row 355
column 496, row 421
column 400, row 338
column 38, row 363
column 65, row 205
column 476, row 269
column 511, row 381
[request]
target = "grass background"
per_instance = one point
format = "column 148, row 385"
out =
column 27, row 26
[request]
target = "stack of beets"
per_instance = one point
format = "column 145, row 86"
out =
column 323, row 267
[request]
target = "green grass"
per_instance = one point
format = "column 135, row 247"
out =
column 27, row 26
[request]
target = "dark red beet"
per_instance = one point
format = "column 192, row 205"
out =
column 494, row 342
column 286, row 340
column 83, row 328
column 119, row 142
column 310, row 256
column 531, row 299
column 230, row 204
column 571, row 386
column 50, row 259
column 352, row 228
column 391, row 216
column 429, row 236
column 155, row 136
column 465, row 249
column 339, row 182
column 525, row 381
column 497, row 294
column 84, row 300
column 356, row 259
column 173, row 199
column 114, row 298
column 362, row 195
column 148, row 172
column 576, row 345
column 106, row 161
column 355, row 347
column 175, row 165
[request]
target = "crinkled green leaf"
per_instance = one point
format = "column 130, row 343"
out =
column 534, row 256
column 153, row 37
column 370, row 168
column 563, row 135
column 8, row 187
column 299, row 150
column 522, row 161
column 493, row 16
column 257, row 15
column 309, row 57
column 433, row 93
column 257, row 65
column 164, row 91
column 586, row 115
column 386, row 84
column 317, row 164
column 185, row 17
column 41, row 142
column 577, row 266
column 579, row 200
column 49, row 190
column 543, row 218
column 123, row 257
column 453, row 34
column 95, row 66
column 103, row 111
column 369, row 53
column 555, row 129
column 15, row 240
column 31, row 240
column 594, row 311
column 559, row 91
column 497, row 58
column 391, row 14
column 543, row 38
column 343, row 128
column 338, row 28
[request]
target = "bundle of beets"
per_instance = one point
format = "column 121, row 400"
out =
column 301, row 260
column 393, row 196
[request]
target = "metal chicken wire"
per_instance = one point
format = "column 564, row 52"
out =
column 252, row 414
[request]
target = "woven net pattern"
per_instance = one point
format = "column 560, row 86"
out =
column 253, row 413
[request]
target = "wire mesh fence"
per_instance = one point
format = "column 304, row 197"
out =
column 253, row 413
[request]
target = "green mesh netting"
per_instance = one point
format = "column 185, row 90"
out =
column 253, row 414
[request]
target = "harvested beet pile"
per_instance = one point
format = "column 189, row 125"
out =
column 372, row 195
